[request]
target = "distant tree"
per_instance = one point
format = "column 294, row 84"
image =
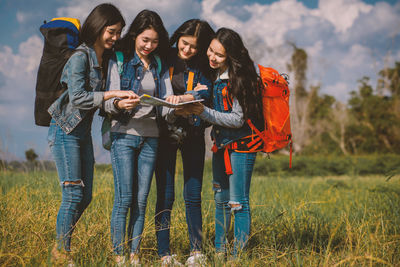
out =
column 31, row 155
column 375, row 124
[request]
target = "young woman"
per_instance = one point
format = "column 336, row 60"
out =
column 190, row 78
column 72, row 114
column 134, row 128
column 236, row 98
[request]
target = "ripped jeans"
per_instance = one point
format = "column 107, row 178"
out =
column 73, row 155
column 231, row 195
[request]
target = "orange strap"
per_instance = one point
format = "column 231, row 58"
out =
column 190, row 81
column 290, row 159
column 171, row 71
column 190, row 78
column 226, row 99
column 265, row 139
column 227, row 160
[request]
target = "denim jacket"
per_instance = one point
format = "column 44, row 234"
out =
column 198, row 77
column 82, row 77
column 130, row 79
column 228, row 125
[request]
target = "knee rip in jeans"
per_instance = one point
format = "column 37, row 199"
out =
column 72, row 183
column 235, row 205
column 216, row 187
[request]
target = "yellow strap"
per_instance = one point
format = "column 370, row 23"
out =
column 190, row 78
column 76, row 22
column 190, row 81
column 171, row 71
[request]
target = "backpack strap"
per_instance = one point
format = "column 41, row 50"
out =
column 226, row 99
column 120, row 61
column 189, row 86
column 159, row 64
column 190, row 81
column 264, row 138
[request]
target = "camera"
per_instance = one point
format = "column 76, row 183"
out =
column 176, row 133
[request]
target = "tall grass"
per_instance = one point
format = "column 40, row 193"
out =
column 296, row 221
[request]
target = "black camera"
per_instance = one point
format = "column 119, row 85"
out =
column 176, row 133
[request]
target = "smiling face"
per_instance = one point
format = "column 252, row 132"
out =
column 187, row 47
column 217, row 55
column 146, row 42
column 108, row 36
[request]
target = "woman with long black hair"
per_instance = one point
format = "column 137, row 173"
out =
column 236, row 98
column 135, row 127
column 72, row 113
column 191, row 79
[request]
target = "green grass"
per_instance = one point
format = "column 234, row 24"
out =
column 296, row 221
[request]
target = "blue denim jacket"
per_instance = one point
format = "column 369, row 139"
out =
column 228, row 125
column 82, row 77
column 130, row 79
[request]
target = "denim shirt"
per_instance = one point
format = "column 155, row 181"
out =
column 198, row 77
column 228, row 125
column 130, row 79
column 82, row 77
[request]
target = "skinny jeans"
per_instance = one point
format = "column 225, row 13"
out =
column 133, row 160
column 229, row 190
column 193, row 152
column 73, row 155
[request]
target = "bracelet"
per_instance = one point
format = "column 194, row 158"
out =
column 116, row 101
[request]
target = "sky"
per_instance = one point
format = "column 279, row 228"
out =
column 345, row 40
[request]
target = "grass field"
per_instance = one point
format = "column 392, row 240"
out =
column 296, row 221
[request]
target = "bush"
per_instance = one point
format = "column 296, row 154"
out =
column 320, row 165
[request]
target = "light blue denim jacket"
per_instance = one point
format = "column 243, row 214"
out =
column 82, row 77
column 130, row 79
column 228, row 125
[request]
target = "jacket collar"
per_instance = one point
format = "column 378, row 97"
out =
column 224, row 75
column 136, row 61
column 92, row 55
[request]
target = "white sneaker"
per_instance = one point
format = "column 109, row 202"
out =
column 197, row 260
column 119, row 261
column 170, row 261
column 134, row 260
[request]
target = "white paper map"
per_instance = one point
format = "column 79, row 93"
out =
column 154, row 101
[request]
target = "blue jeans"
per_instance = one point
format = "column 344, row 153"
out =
column 192, row 151
column 73, row 155
column 232, row 190
column 133, row 160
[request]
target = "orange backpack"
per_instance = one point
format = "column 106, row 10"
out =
column 276, row 134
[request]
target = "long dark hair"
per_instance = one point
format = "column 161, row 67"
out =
column 101, row 16
column 146, row 19
column 244, row 82
column 204, row 34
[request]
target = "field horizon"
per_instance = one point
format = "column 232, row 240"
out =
column 296, row 221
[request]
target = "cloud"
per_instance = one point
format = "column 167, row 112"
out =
column 341, row 13
column 172, row 14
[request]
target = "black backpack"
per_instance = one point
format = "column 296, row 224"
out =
column 61, row 37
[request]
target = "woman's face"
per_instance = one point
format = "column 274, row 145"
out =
column 146, row 42
column 217, row 55
column 109, row 35
column 187, row 47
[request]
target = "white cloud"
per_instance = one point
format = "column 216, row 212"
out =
column 338, row 90
column 341, row 13
column 172, row 14
column 357, row 56
column 25, row 62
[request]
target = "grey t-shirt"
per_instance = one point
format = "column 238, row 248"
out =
column 143, row 122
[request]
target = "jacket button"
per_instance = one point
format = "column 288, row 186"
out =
column 217, row 131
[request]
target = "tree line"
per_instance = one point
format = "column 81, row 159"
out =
column 368, row 123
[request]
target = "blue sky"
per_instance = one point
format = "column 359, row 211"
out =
column 344, row 39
